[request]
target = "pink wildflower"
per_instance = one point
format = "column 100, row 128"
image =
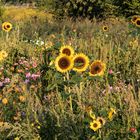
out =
column 110, row 71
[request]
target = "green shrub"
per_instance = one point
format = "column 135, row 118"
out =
column 130, row 7
column 86, row 8
column 92, row 8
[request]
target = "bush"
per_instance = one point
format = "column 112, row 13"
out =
column 92, row 8
column 86, row 8
column 130, row 7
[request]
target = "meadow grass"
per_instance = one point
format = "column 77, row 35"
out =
column 44, row 104
column 24, row 13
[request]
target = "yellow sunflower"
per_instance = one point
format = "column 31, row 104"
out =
column 137, row 22
column 95, row 125
column 22, row 98
column 133, row 19
column 4, row 101
column 7, row 26
column 101, row 120
column 17, row 138
column 111, row 113
column 67, row 50
column 134, row 42
column 1, row 57
column 81, row 62
column 3, row 53
column 105, row 28
column 63, row 63
column 97, row 68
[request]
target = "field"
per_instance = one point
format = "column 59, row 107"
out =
column 68, row 80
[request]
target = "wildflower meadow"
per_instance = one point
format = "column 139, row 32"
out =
column 65, row 78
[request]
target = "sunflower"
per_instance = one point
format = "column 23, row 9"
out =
column 3, row 53
column 63, row 63
column 4, row 101
column 95, row 125
column 97, row 68
column 137, row 22
column 7, row 26
column 133, row 43
column 105, row 28
column 1, row 57
column 133, row 19
column 67, row 50
column 17, row 138
column 22, row 98
column 101, row 120
column 111, row 113
column 81, row 62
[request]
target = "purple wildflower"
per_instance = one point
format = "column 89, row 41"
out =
column 7, row 80
column 28, row 75
column 27, row 81
column 1, row 84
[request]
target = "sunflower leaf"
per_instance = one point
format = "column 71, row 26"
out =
column 76, row 79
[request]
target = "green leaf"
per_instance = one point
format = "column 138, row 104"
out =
column 76, row 79
column 51, row 87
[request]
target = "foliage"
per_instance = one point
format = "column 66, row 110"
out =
column 86, row 8
column 43, row 103
column 1, row 9
column 130, row 7
column 93, row 8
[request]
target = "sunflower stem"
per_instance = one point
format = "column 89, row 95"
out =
column 7, row 36
column 70, row 97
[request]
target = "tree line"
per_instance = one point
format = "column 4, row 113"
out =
column 86, row 8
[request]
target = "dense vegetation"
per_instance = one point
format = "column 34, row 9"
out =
column 87, row 8
column 69, row 79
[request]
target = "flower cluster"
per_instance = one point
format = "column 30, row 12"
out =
column 79, row 62
column 136, row 20
column 98, row 122
column 4, row 81
column 26, row 67
column 30, row 76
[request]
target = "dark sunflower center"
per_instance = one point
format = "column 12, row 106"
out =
column 101, row 121
column 105, row 28
column 8, row 26
column 95, row 125
column 134, row 19
column 5, row 27
column 67, row 52
column 112, row 113
column 96, row 68
column 138, row 22
column 79, row 62
column 63, row 63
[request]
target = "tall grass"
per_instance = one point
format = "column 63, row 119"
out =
column 57, row 106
